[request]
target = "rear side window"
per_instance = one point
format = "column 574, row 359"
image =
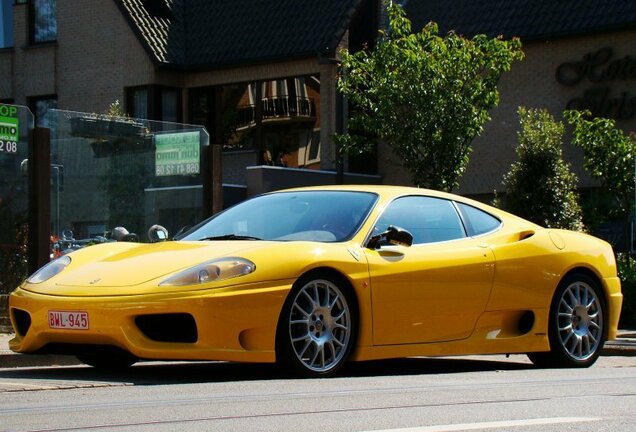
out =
column 478, row 221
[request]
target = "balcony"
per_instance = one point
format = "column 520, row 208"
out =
column 279, row 108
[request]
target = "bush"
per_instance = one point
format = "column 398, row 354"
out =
column 627, row 274
column 540, row 186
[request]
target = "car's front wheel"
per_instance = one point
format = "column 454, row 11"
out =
column 318, row 326
column 577, row 324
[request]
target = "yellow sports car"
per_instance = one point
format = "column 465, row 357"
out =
column 317, row 277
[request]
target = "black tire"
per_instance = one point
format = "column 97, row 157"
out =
column 577, row 324
column 108, row 359
column 318, row 326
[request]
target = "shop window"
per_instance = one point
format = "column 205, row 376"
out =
column 40, row 105
column 278, row 118
column 43, row 21
column 6, row 23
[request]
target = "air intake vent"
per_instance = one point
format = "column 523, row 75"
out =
column 22, row 321
column 178, row 327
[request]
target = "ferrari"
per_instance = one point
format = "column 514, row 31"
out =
column 315, row 278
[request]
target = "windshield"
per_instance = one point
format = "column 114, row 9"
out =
column 323, row 216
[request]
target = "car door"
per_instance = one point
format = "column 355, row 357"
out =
column 434, row 290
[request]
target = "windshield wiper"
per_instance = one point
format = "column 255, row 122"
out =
column 230, row 237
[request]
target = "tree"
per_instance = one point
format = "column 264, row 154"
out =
column 540, row 186
column 608, row 156
column 424, row 95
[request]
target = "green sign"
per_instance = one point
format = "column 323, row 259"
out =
column 9, row 129
column 177, row 154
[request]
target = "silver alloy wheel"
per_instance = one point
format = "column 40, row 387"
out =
column 580, row 321
column 320, row 325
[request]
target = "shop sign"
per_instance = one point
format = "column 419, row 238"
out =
column 602, row 70
column 177, row 153
column 9, row 129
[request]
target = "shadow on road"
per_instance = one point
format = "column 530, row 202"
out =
column 162, row 373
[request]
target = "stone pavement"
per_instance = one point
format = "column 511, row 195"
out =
column 625, row 345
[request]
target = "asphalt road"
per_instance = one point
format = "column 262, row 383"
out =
column 409, row 395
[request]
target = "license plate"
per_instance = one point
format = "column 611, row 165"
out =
column 72, row 320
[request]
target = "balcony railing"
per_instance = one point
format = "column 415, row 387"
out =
column 280, row 107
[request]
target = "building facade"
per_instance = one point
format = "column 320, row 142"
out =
column 263, row 82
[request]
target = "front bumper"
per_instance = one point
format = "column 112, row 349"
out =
column 237, row 324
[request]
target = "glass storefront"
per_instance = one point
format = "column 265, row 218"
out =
column 15, row 125
column 279, row 119
column 109, row 173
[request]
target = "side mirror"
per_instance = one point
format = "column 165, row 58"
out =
column 157, row 233
column 394, row 236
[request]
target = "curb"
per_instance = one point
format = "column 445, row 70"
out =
column 13, row 360
column 624, row 348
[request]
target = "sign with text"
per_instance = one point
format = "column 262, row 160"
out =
column 604, row 76
column 177, row 154
column 9, row 129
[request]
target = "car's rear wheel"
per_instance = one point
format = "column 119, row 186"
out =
column 318, row 326
column 576, row 325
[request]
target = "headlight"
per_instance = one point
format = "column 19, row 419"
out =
column 211, row 271
column 50, row 270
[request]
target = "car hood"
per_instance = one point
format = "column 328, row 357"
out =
column 98, row 269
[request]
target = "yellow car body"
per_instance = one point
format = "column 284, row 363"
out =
column 482, row 294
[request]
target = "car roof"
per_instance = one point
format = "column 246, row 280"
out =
column 388, row 193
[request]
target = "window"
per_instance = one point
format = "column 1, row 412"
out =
column 170, row 105
column 323, row 216
column 428, row 219
column 43, row 21
column 6, row 23
column 477, row 221
column 154, row 103
column 40, row 105
column 139, row 103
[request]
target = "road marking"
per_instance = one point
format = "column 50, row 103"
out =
column 493, row 425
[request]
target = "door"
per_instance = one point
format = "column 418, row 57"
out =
column 434, row 290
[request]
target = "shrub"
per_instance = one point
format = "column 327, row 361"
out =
column 627, row 274
column 540, row 186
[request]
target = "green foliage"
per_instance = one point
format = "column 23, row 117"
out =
column 424, row 95
column 627, row 274
column 609, row 156
column 14, row 242
column 540, row 186
column 116, row 110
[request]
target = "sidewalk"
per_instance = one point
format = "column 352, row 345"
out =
column 625, row 346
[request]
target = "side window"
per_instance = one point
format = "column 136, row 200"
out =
column 477, row 221
column 428, row 219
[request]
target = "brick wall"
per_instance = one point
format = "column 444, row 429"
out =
column 6, row 74
column 5, row 322
column 98, row 55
